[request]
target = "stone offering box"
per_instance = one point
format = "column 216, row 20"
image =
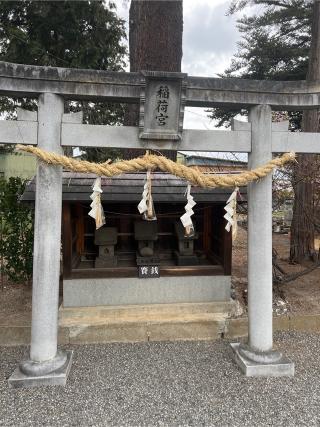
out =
column 95, row 263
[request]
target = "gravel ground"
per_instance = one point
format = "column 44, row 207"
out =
column 184, row 383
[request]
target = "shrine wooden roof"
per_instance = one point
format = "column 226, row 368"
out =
column 128, row 188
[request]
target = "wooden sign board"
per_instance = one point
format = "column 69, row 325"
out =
column 148, row 271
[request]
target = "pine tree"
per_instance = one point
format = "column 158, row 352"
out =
column 275, row 44
column 155, row 43
column 307, row 169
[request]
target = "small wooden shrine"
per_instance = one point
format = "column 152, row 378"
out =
column 127, row 242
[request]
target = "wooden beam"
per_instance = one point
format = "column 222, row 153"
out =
column 207, row 226
column 227, row 251
column 79, row 228
column 167, row 271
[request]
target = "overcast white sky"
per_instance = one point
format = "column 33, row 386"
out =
column 209, row 41
column 209, row 36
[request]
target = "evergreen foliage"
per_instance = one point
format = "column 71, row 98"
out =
column 73, row 34
column 275, row 45
column 16, row 232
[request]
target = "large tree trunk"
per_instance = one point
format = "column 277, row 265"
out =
column 303, row 223
column 155, row 44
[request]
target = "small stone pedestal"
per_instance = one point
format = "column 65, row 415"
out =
column 146, row 233
column 106, row 238
column 185, row 255
column 269, row 364
column 50, row 375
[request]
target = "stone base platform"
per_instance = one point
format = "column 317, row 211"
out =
column 282, row 368
column 59, row 377
column 162, row 290
column 152, row 322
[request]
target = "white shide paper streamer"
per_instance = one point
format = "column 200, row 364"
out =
column 97, row 212
column 186, row 218
column 145, row 206
column 231, row 213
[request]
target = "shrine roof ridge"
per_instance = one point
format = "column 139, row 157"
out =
column 117, row 86
column 166, row 188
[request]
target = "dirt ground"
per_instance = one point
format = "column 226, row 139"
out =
column 15, row 305
column 299, row 296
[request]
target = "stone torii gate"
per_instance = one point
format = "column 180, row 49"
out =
column 51, row 129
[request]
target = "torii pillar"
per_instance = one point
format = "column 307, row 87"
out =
column 257, row 357
column 46, row 365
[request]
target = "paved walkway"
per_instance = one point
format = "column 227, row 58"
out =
column 186, row 383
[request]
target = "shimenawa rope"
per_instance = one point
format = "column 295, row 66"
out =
column 151, row 161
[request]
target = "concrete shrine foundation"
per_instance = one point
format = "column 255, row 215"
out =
column 162, row 290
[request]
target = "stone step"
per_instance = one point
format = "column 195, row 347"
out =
column 191, row 327
column 76, row 315
column 163, row 322
column 150, row 318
